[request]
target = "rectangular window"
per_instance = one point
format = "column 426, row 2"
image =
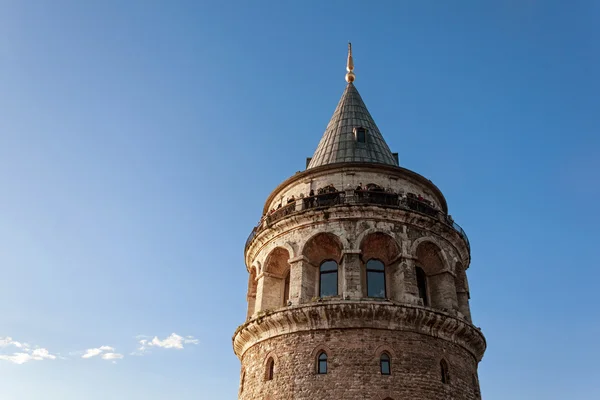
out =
column 360, row 134
column 328, row 284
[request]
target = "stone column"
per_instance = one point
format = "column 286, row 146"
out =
column 463, row 304
column 302, row 280
column 443, row 291
column 411, row 290
column 395, row 280
column 251, row 297
column 268, row 293
column 351, row 274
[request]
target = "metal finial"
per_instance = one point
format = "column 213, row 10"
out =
column 350, row 77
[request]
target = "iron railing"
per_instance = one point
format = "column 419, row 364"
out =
column 357, row 197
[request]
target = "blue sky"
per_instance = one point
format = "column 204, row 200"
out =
column 139, row 140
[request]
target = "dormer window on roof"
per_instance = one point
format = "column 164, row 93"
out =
column 360, row 134
column 351, row 135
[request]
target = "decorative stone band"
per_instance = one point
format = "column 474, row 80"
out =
column 343, row 314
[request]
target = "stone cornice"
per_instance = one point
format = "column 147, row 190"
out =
column 359, row 315
column 390, row 170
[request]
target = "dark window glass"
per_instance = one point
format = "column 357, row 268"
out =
column 444, row 371
column 361, row 135
column 375, row 279
column 422, row 284
column 322, row 363
column 270, row 369
column 384, row 363
column 328, row 278
column 286, row 289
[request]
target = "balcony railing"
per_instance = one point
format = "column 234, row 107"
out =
column 357, row 197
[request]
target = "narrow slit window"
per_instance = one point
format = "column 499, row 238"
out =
column 444, row 371
column 286, row 289
column 322, row 363
column 422, row 285
column 270, row 369
column 385, row 365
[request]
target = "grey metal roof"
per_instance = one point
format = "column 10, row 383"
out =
column 338, row 143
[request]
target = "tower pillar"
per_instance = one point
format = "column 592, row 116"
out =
column 303, row 276
column 351, row 274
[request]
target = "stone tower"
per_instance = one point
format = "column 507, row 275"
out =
column 357, row 279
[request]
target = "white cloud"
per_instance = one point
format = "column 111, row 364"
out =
column 8, row 341
column 112, row 356
column 41, row 354
column 173, row 341
column 106, row 351
column 89, row 353
column 26, row 354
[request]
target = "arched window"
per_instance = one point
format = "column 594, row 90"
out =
column 328, row 278
column 286, row 289
column 322, row 363
column 270, row 369
column 422, row 285
column 444, row 372
column 375, row 279
column 385, row 365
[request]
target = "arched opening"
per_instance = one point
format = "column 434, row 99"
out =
column 462, row 291
column 376, row 279
column 328, row 278
column 445, row 374
column 270, row 371
column 385, row 365
column 273, row 285
column 422, row 285
column 439, row 281
column 323, row 253
column 322, row 363
column 251, row 296
column 381, row 277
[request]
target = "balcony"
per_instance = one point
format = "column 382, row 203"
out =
column 410, row 202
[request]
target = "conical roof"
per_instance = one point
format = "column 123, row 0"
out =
column 340, row 142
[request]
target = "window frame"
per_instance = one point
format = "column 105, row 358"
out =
column 337, row 277
column 364, row 131
column 270, row 372
column 320, row 371
column 445, row 372
column 376, row 271
column 388, row 360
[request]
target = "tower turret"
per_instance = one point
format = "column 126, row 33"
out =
column 357, row 279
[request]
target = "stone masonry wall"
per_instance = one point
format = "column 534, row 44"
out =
column 353, row 367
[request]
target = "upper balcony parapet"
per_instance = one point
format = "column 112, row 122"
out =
column 330, row 197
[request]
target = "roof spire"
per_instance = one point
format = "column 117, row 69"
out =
column 350, row 77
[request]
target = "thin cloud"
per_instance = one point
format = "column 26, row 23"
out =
column 25, row 354
column 112, row 356
column 173, row 341
column 106, row 352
